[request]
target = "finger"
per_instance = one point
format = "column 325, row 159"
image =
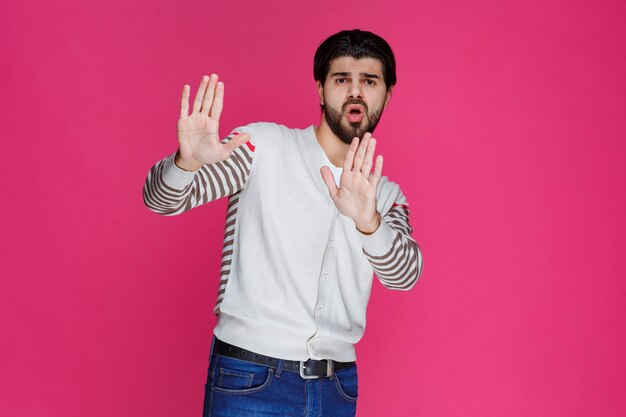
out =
column 218, row 101
column 378, row 169
column 236, row 142
column 369, row 158
column 184, row 102
column 208, row 96
column 197, row 102
column 329, row 180
column 349, row 159
column 360, row 153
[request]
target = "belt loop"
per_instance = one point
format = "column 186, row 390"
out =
column 330, row 368
column 279, row 367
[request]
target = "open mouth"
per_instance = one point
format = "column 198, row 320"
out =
column 354, row 113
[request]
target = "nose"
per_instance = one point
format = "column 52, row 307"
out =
column 355, row 89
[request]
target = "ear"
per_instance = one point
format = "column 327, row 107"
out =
column 320, row 91
column 388, row 96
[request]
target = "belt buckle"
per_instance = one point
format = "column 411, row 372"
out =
column 302, row 372
column 330, row 370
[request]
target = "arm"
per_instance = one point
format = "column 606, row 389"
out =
column 387, row 242
column 171, row 190
column 204, row 168
column 392, row 252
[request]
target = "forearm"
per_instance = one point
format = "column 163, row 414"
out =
column 168, row 189
column 392, row 252
column 171, row 189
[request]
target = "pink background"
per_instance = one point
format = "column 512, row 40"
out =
column 506, row 132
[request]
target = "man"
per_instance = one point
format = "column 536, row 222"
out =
column 307, row 224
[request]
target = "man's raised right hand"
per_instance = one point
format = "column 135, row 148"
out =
column 198, row 132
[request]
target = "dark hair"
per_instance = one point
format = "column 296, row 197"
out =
column 357, row 44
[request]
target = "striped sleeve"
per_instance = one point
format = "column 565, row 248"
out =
column 170, row 190
column 392, row 252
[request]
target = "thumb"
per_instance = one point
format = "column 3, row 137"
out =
column 329, row 180
column 236, row 141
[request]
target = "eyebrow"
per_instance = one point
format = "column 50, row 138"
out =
column 362, row 74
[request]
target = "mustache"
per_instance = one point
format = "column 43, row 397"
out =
column 354, row 101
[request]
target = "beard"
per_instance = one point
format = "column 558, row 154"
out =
column 334, row 119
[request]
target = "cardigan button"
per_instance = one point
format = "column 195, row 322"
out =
column 324, row 277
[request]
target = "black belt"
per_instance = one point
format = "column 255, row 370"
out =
column 309, row 369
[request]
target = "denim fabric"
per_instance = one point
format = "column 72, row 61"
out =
column 237, row 388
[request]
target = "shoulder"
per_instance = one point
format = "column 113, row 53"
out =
column 262, row 133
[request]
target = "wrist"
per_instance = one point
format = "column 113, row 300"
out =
column 186, row 164
column 369, row 227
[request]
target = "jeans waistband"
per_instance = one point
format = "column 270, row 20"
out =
column 309, row 369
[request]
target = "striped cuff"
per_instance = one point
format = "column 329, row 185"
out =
column 380, row 242
column 175, row 177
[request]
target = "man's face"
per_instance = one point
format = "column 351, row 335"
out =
column 354, row 96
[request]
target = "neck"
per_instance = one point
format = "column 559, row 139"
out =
column 334, row 148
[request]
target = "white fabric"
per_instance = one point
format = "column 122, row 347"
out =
column 299, row 282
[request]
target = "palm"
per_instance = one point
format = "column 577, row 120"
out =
column 199, row 139
column 356, row 195
column 198, row 132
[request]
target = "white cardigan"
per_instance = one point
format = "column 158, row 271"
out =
column 296, row 274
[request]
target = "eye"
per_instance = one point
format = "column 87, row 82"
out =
column 341, row 80
column 370, row 82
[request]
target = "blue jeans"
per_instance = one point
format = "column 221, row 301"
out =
column 237, row 388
